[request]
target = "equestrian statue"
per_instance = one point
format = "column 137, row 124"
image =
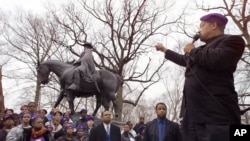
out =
column 80, row 79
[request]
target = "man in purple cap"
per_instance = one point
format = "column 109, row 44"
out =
column 85, row 69
column 83, row 118
column 210, row 103
column 80, row 134
column 90, row 124
column 68, row 133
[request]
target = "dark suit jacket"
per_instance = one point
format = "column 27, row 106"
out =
column 98, row 133
column 209, row 93
column 172, row 131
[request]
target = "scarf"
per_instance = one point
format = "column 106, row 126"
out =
column 35, row 134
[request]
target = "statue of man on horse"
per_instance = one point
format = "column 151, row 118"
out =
column 85, row 68
column 80, row 79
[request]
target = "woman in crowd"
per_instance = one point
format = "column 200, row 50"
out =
column 37, row 132
column 80, row 133
column 68, row 136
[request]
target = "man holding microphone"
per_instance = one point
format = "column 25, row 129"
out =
column 210, row 103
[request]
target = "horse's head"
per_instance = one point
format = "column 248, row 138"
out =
column 43, row 73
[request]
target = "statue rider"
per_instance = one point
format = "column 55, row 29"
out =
column 85, row 68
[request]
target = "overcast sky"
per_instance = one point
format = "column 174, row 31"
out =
column 32, row 5
column 39, row 7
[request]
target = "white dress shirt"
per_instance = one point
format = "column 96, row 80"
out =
column 107, row 128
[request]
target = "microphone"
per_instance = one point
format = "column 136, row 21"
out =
column 196, row 37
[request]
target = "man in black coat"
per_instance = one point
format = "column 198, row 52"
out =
column 140, row 124
column 210, row 103
column 105, row 131
column 161, row 129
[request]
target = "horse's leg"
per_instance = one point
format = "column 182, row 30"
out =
column 105, row 103
column 107, row 98
column 114, row 101
column 98, row 105
column 70, row 98
column 59, row 99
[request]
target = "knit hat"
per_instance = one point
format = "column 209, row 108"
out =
column 63, row 120
column 80, row 127
column 68, row 126
column 8, row 117
column 89, row 117
column 83, row 111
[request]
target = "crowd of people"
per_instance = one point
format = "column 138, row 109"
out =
column 33, row 124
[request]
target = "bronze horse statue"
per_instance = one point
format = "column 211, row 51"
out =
column 107, row 82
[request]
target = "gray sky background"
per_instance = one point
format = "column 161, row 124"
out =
column 38, row 6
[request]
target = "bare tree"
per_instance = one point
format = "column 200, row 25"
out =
column 1, row 95
column 127, row 112
column 29, row 42
column 125, row 40
column 173, row 83
column 122, row 34
column 244, row 102
column 144, row 108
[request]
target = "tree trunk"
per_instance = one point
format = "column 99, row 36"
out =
column 119, row 104
column 1, row 95
column 38, row 93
